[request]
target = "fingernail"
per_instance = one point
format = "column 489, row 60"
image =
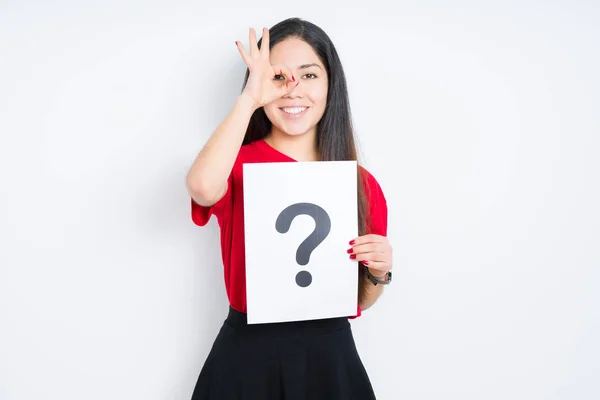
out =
column 349, row 251
column 365, row 262
column 351, row 242
column 293, row 79
column 236, row 43
column 353, row 256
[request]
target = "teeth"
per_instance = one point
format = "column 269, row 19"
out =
column 294, row 110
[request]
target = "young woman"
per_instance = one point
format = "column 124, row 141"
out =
column 293, row 107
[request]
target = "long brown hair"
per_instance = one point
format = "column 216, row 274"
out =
column 335, row 133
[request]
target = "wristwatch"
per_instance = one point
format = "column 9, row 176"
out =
column 387, row 278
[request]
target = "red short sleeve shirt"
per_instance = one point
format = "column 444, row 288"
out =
column 229, row 212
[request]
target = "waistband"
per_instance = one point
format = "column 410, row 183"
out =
column 239, row 321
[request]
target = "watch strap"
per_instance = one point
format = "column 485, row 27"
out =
column 375, row 281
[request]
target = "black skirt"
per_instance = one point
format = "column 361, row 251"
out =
column 304, row 360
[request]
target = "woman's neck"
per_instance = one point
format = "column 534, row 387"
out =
column 299, row 147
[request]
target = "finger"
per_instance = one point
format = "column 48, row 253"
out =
column 291, row 82
column 285, row 71
column 371, row 256
column 378, row 269
column 243, row 53
column 368, row 238
column 264, row 44
column 254, row 52
column 290, row 86
column 378, row 265
column 366, row 248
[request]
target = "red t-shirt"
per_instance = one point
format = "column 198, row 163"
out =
column 229, row 212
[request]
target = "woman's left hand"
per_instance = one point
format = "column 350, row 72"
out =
column 374, row 251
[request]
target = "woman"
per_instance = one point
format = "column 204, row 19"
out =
column 293, row 107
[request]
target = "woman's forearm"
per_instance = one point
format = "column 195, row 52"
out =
column 207, row 178
column 368, row 293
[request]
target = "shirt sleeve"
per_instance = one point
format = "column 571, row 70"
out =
column 377, row 207
column 378, row 213
column 201, row 214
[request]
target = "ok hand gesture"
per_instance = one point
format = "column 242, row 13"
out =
column 262, row 87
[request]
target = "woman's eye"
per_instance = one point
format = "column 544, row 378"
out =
column 279, row 77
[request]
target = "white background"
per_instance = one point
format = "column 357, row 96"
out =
column 271, row 266
column 479, row 119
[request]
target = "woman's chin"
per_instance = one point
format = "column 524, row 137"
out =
column 294, row 131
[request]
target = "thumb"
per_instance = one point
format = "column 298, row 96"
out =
column 289, row 86
column 291, row 81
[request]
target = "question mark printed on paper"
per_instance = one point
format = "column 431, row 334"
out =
column 322, row 228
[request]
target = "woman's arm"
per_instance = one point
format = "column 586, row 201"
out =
column 206, row 180
column 375, row 252
column 367, row 292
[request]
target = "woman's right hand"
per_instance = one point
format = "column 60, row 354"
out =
column 263, row 87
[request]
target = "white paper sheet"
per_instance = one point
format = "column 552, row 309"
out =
column 282, row 283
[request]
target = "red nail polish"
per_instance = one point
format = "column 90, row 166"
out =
column 351, row 242
column 293, row 79
column 236, row 42
column 349, row 251
column 365, row 262
column 353, row 256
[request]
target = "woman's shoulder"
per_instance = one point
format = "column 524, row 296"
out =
column 247, row 153
column 369, row 179
column 247, row 150
column 255, row 151
column 377, row 202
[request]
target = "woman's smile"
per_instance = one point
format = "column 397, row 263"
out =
column 294, row 112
